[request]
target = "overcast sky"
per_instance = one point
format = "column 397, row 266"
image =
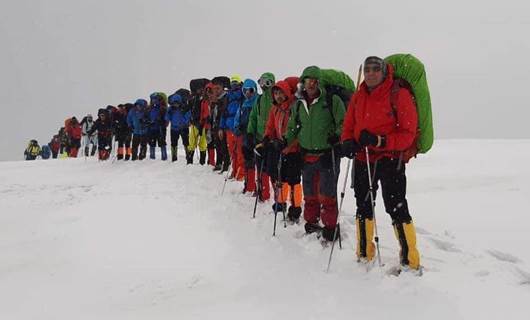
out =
column 60, row 58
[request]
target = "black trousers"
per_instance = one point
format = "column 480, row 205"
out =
column 124, row 140
column 157, row 137
column 393, row 184
column 182, row 134
column 139, row 140
column 291, row 166
column 221, row 149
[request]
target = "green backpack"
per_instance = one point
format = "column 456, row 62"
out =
column 409, row 73
column 337, row 83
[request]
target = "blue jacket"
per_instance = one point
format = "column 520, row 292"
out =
column 156, row 117
column 241, row 118
column 178, row 119
column 235, row 99
column 137, row 119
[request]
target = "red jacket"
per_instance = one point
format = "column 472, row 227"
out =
column 372, row 111
column 74, row 131
column 279, row 117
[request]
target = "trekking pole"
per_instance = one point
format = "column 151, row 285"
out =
column 256, row 154
column 371, row 190
column 337, row 225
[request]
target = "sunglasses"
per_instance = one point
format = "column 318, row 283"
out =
column 265, row 82
column 368, row 69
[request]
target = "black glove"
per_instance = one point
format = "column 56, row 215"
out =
column 278, row 144
column 369, row 139
column 249, row 141
column 350, row 148
column 333, row 139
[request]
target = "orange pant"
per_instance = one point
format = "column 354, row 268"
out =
column 235, row 149
column 294, row 192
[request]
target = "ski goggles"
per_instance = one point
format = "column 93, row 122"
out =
column 265, row 82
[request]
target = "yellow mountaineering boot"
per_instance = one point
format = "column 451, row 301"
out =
column 365, row 235
column 406, row 235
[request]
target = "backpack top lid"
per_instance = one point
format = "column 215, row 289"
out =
column 412, row 70
column 223, row 81
column 333, row 77
column 197, row 84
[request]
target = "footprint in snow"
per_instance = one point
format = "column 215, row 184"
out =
column 444, row 245
column 524, row 276
column 503, row 256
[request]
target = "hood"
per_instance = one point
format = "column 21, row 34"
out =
column 268, row 76
column 249, row 83
column 311, row 72
column 285, row 88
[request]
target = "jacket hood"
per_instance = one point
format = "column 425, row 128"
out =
column 285, row 88
column 311, row 72
column 249, row 83
column 268, row 76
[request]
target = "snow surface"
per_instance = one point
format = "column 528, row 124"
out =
column 156, row 240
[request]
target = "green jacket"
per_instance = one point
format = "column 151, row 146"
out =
column 312, row 125
column 260, row 111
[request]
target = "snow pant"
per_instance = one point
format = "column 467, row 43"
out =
column 157, row 137
column 104, row 147
column 390, row 173
column 235, row 148
column 75, row 144
column 183, row 134
column 139, row 141
column 319, row 180
column 90, row 140
column 221, row 149
column 124, row 145
column 196, row 139
column 262, row 176
column 287, row 186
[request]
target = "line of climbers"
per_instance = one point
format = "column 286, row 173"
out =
column 291, row 136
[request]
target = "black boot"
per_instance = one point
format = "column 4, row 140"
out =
column 294, row 213
column 174, row 154
column 189, row 157
column 119, row 157
column 202, row 159
column 93, row 152
column 328, row 233
column 278, row 207
column 86, row 151
column 312, row 227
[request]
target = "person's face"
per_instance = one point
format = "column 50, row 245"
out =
column 265, row 83
column 279, row 96
column 373, row 75
column 311, row 87
column 249, row 92
column 217, row 90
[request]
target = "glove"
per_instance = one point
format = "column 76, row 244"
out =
column 278, row 144
column 333, row 139
column 349, row 148
column 249, row 141
column 369, row 139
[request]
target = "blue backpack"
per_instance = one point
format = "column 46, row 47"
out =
column 45, row 152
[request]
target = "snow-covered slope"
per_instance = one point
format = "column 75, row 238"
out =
column 91, row 240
